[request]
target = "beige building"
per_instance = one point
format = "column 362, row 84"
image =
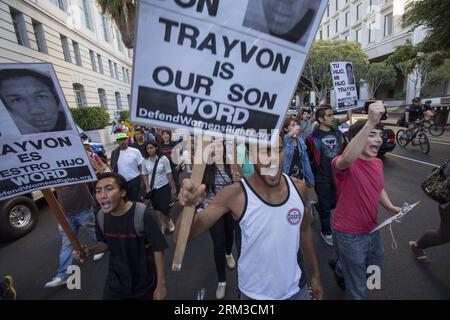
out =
column 91, row 62
column 376, row 26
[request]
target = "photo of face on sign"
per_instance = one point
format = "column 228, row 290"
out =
column 350, row 76
column 32, row 102
column 290, row 20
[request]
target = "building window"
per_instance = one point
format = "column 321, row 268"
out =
column 337, row 25
column 102, row 98
column 106, row 29
column 115, row 70
column 124, row 75
column 328, row 31
column 129, row 100
column 371, row 32
column 358, row 36
column 118, row 102
column 120, row 45
column 388, row 24
column 85, row 14
column 111, row 71
column 328, row 10
column 100, row 64
column 346, row 37
column 40, row 36
column 320, row 35
column 130, row 53
column 128, row 76
column 93, row 62
column 358, row 11
column 20, row 29
column 373, row 4
column 60, row 4
column 66, row 49
column 80, row 96
column 347, row 18
column 76, row 51
column 337, row 5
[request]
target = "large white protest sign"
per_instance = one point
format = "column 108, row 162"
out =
column 227, row 66
column 39, row 143
column 344, row 85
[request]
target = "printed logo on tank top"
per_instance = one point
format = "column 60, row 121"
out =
column 294, row 216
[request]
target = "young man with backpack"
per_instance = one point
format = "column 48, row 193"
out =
column 323, row 144
column 129, row 231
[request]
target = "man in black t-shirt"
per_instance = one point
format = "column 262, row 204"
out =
column 136, row 266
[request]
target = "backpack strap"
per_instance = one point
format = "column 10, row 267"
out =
column 139, row 212
column 101, row 220
column 138, row 219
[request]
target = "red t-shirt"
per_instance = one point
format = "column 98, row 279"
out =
column 358, row 192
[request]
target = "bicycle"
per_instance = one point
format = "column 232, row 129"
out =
column 417, row 138
column 434, row 128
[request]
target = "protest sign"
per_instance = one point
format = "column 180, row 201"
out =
column 404, row 210
column 39, row 143
column 226, row 66
column 344, row 85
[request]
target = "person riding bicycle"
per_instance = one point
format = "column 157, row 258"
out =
column 413, row 113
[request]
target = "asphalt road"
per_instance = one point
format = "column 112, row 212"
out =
column 33, row 259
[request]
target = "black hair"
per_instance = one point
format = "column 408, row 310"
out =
column 209, row 177
column 287, row 122
column 7, row 74
column 139, row 129
column 358, row 125
column 348, row 65
column 153, row 143
column 120, row 180
column 322, row 111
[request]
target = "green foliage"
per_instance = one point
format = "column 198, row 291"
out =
column 124, row 115
column 316, row 74
column 90, row 118
column 432, row 14
column 378, row 74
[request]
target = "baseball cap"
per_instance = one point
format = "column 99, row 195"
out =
column 121, row 136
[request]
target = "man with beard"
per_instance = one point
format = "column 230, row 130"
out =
column 273, row 222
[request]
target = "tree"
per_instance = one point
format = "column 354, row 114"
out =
column 379, row 73
column 123, row 13
column 316, row 74
column 432, row 14
column 421, row 68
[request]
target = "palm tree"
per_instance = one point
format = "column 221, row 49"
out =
column 123, row 13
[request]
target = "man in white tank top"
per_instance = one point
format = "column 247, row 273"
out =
column 274, row 223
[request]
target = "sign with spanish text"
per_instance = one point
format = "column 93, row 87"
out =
column 39, row 142
column 224, row 66
column 344, row 85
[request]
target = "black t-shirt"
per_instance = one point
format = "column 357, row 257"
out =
column 140, row 147
column 166, row 150
column 132, row 270
column 329, row 148
column 296, row 169
column 415, row 112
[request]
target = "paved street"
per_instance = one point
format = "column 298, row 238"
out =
column 33, row 259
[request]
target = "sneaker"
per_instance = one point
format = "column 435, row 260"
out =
column 328, row 238
column 98, row 256
column 339, row 280
column 171, row 226
column 7, row 291
column 419, row 253
column 231, row 263
column 220, row 292
column 56, row 282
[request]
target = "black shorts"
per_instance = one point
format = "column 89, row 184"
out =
column 161, row 199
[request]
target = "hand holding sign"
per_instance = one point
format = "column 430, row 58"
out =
column 376, row 111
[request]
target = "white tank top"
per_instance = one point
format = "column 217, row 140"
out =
column 270, row 241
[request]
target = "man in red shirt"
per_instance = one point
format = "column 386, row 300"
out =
column 360, row 188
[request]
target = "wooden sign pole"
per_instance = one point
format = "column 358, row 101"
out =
column 187, row 214
column 59, row 213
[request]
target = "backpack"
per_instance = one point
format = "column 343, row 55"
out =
column 138, row 217
column 435, row 185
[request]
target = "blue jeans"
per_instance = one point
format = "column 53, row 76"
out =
column 355, row 253
column 84, row 219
